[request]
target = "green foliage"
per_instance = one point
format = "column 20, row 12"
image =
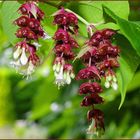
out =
column 93, row 13
column 7, row 113
column 129, row 60
column 129, row 29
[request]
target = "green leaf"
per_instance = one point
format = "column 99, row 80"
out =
column 92, row 11
column 129, row 61
column 9, row 14
column 44, row 98
column 94, row 8
column 129, row 29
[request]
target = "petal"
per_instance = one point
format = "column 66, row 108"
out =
column 17, row 53
column 72, row 75
column 23, row 58
column 58, row 66
column 114, row 85
column 68, row 80
column 54, row 67
column 107, row 84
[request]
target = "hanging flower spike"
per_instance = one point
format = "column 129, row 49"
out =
column 30, row 30
column 65, row 43
column 100, row 61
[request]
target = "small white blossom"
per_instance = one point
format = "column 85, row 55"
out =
column 72, row 75
column 17, row 53
column 23, row 58
column 59, row 77
column 107, row 84
column 114, row 85
column 111, row 81
column 114, row 79
column 68, row 78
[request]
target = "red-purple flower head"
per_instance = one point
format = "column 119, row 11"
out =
column 30, row 30
column 67, row 25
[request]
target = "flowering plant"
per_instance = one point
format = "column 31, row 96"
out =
column 93, row 46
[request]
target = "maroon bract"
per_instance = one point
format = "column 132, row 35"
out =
column 88, row 87
column 88, row 73
column 91, row 100
column 26, row 58
column 67, row 25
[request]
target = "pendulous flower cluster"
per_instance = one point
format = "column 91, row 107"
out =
column 100, row 61
column 67, row 23
column 30, row 30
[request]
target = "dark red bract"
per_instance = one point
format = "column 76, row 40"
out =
column 91, row 100
column 86, row 88
column 88, row 73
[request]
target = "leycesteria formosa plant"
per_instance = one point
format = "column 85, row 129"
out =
column 100, row 59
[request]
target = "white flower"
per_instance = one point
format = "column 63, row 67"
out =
column 111, row 81
column 59, row 77
column 17, row 53
column 58, row 66
column 23, row 58
column 114, row 79
column 54, row 67
column 109, row 78
column 114, row 85
column 72, row 75
column 107, row 84
column 68, row 79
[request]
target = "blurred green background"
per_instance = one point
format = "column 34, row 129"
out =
column 35, row 108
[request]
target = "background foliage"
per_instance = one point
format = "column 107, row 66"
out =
column 36, row 108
